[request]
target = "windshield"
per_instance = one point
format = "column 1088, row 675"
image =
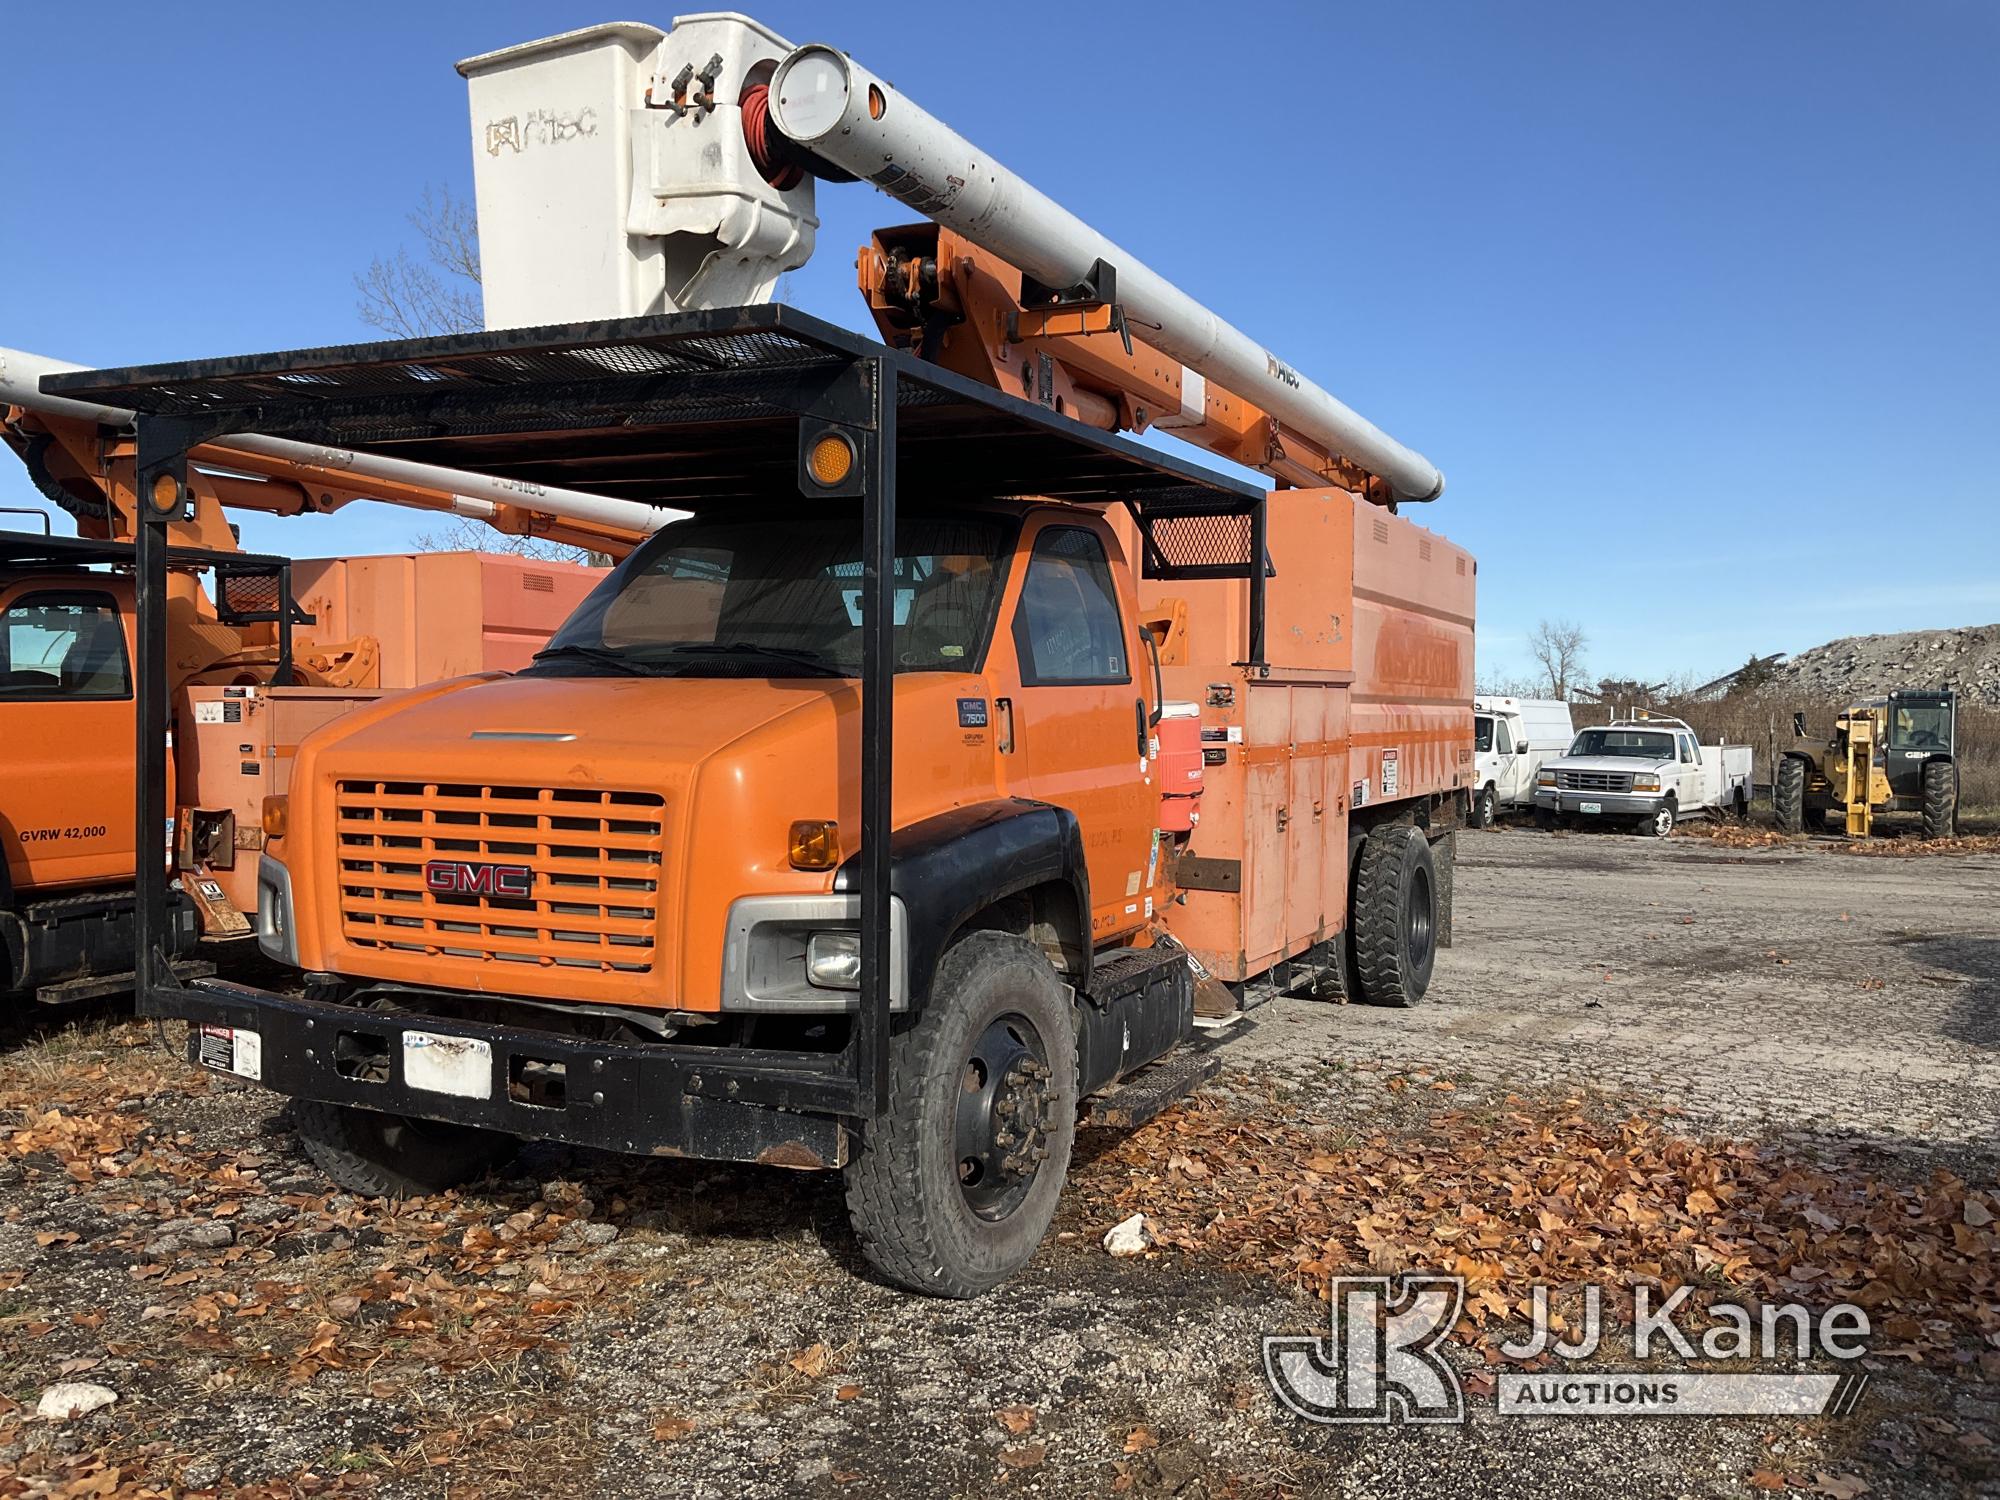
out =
column 781, row 597
column 1482, row 733
column 1633, row 742
column 1912, row 728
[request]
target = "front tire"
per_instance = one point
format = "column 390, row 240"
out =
column 1940, row 799
column 1395, row 916
column 1658, row 823
column 1486, row 809
column 1788, row 795
column 395, row 1156
column 955, row 1185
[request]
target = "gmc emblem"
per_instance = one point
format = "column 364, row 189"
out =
column 450, row 877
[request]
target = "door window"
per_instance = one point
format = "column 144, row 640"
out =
column 1482, row 733
column 1502, row 740
column 1687, row 750
column 62, row 646
column 1067, row 628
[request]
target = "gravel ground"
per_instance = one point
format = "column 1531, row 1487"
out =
column 616, row 1328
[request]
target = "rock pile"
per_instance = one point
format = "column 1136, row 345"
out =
column 1866, row 666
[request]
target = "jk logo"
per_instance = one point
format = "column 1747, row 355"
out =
column 1381, row 1363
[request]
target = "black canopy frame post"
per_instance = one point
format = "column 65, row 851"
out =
column 878, row 730
column 162, row 499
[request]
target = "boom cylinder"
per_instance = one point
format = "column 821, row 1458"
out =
column 473, row 494
column 825, row 101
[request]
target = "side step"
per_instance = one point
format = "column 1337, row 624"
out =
column 1157, row 1085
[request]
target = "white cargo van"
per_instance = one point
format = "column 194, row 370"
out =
column 1511, row 737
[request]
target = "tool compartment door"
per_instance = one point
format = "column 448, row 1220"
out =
column 1267, row 834
column 66, row 718
column 1305, row 897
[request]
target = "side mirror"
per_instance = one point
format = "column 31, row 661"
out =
column 1798, row 726
column 1522, row 748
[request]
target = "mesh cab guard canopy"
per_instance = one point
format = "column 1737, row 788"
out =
column 689, row 410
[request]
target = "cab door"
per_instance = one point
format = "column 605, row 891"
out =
column 1692, row 792
column 1081, row 717
column 66, row 718
column 1486, row 764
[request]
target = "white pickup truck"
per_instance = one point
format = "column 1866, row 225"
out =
column 1648, row 772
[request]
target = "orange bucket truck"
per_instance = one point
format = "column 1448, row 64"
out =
column 960, row 768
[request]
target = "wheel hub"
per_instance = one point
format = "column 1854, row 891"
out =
column 1006, row 1116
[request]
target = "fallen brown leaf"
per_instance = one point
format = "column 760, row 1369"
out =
column 811, row 1362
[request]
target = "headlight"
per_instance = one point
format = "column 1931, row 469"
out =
column 1545, row 778
column 833, row 960
column 1645, row 783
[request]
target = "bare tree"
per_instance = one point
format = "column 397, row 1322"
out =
column 408, row 297
column 1558, row 646
column 411, row 298
column 463, row 534
column 1504, row 685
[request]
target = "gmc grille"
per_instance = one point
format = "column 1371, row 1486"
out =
column 594, row 903
column 1594, row 781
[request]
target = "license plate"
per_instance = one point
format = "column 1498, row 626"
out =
column 233, row 1049
column 459, row 1065
column 1596, row 807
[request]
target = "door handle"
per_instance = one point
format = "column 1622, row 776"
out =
column 1284, row 819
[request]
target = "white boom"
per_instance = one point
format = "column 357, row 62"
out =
column 475, row 495
column 823, row 99
column 613, row 179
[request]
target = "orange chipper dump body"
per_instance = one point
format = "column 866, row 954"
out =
column 828, row 832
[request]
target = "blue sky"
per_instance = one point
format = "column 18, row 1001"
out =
column 1695, row 304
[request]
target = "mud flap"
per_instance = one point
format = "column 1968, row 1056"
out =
column 1444, row 857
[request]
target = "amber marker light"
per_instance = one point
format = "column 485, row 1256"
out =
column 277, row 815
column 831, row 461
column 815, row 844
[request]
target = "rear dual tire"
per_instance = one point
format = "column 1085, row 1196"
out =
column 1395, row 915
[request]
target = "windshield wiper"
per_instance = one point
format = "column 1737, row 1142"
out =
column 598, row 654
column 813, row 661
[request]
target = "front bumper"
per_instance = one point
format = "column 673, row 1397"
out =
column 1608, row 804
column 788, row 1109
